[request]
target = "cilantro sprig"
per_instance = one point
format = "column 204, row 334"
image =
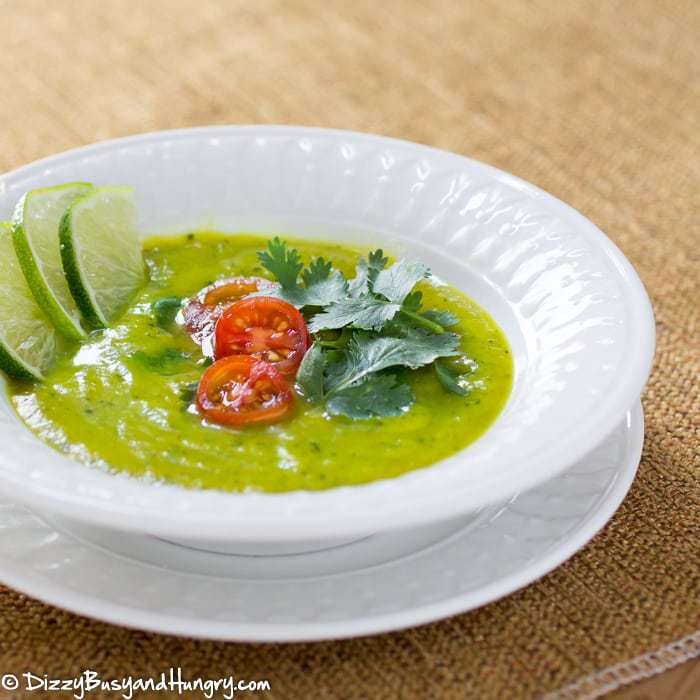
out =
column 322, row 284
column 364, row 330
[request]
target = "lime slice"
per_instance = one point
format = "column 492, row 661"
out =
column 101, row 253
column 28, row 340
column 35, row 236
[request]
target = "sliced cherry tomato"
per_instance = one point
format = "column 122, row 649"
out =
column 228, row 290
column 241, row 390
column 201, row 312
column 265, row 327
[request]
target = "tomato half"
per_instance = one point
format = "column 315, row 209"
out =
column 241, row 390
column 201, row 312
column 264, row 327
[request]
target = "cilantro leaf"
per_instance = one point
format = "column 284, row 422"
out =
column 188, row 392
column 410, row 323
column 442, row 318
column 396, row 282
column 317, row 271
column 449, row 380
column 366, row 355
column 358, row 285
column 320, row 293
column 366, row 272
column 376, row 263
column 310, row 374
column 285, row 265
column 413, row 302
column 167, row 362
column 401, row 326
column 321, row 286
column 376, row 395
column 365, row 312
column 165, row 310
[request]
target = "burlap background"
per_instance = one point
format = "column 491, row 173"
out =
column 596, row 102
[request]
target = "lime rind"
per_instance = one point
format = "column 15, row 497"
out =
column 76, row 281
column 101, row 253
column 28, row 339
column 36, row 242
column 14, row 367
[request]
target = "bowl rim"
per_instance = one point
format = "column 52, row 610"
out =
column 132, row 514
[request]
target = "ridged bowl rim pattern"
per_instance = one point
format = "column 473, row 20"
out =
column 577, row 315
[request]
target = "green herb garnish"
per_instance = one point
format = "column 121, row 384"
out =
column 167, row 362
column 367, row 355
column 356, row 384
column 449, row 380
column 442, row 318
column 165, row 310
column 188, row 392
column 322, row 286
column 379, row 300
column 285, row 265
column 310, row 375
column 364, row 330
column 377, row 395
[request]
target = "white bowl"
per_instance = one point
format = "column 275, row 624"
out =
column 575, row 313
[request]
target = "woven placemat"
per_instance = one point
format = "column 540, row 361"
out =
column 596, row 102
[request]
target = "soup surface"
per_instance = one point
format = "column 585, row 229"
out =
column 122, row 401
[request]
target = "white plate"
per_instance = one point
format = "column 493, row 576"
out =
column 384, row 583
column 576, row 315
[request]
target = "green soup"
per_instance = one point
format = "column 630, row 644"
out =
column 119, row 401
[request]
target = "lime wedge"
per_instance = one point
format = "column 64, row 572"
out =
column 35, row 236
column 101, row 253
column 28, row 340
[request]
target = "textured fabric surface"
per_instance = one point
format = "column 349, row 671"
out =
column 595, row 102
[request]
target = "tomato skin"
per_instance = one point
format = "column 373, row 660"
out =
column 200, row 314
column 241, row 390
column 232, row 289
column 264, row 327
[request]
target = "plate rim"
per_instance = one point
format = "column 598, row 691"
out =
column 89, row 606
